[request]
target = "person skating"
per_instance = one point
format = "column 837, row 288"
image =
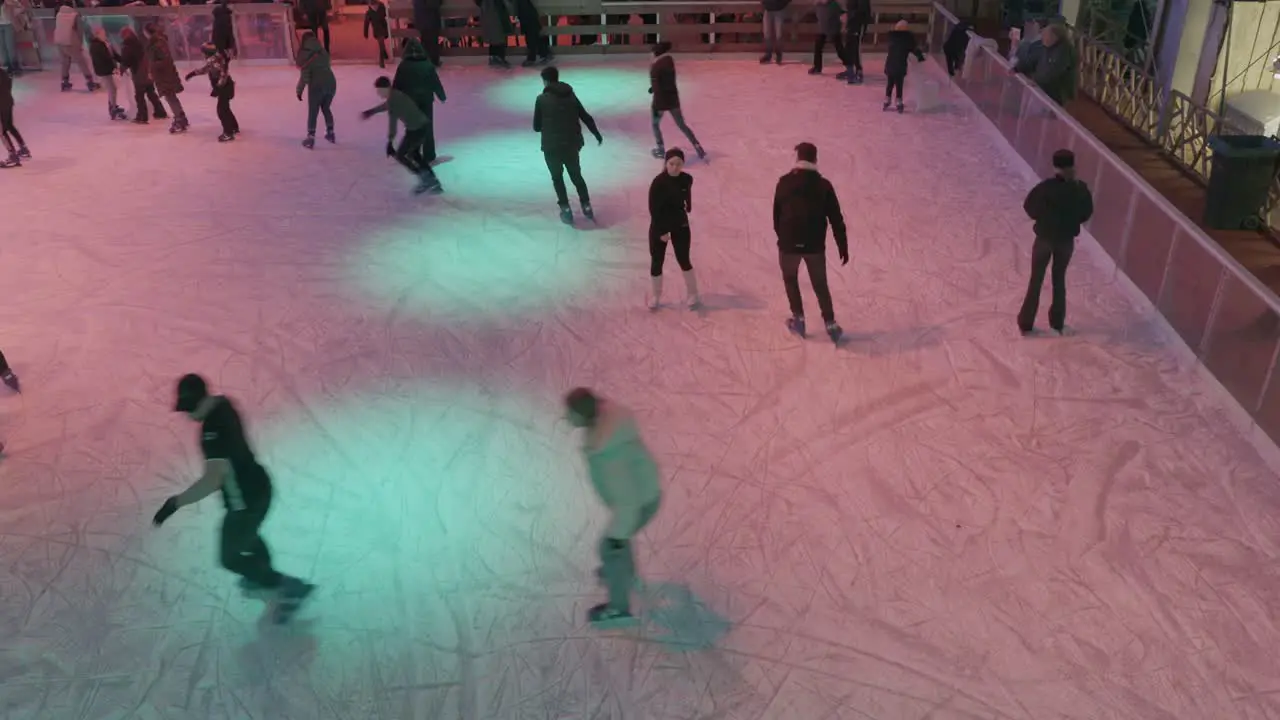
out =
column 9, row 134
column 670, row 202
column 803, row 205
column 666, row 99
column 902, row 44
column 105, row 59
column 1059, row 206
column 537, row 45
column 401, row 109
column 164, row 74
column 558, row 116
column 957, row 43
column 317, row 17
column 417, row 77
column 775, row 16
column 495, row 28
column 829, row 12
column 133, row 58
column 232, row 468
column 68, row 35
column 375, row 21
column 315, row 75
column 625, row 476
column 222, row 87
column 856, row 22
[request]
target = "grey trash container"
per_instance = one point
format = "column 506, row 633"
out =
column 1240, row 178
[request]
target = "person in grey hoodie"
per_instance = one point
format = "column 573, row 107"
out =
column 1053, row 66
column 625, row 476
column 68, row 35
column 775, row 16
column 315, row 75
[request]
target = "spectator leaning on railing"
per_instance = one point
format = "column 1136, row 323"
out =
column 1052, row 64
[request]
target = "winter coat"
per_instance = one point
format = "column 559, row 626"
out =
column 66, row 28
column 164, row 73
column 215, row 66
column 426, row 17
column 1054, row 69
column 902, row 45
column 624, row 475
column 133, row 57
column 829, row 13
column 775, row 5
column 1059, row 207
column 102, row 57
column 957, row 42
column 400, row 108
column 418, row 78
column 375, row 19
column 670, row 202
column 559, row 116
column 314, row 69
column 803, row 203
column 495, row 21
column 527, row 13
column 224, row 37
column 662, row 83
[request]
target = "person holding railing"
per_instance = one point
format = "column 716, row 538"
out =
column 1053, row 65
column 856, row 22
column 1059, row 206
column 775, row 16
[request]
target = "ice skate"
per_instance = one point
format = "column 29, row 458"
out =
column 24, row 153
column 118, row 113
column 901, row 107
column 835, row 332
column 10, row 162
column 428, row 183
column 140, row 121
column 658, row 152
column 11, row 380
column 588, row 213
column 178, row 126
column 702, row 154
column 67, row 86
column 854, row 78
column 310, row 142
column 160, row 116
column 92, row 86
column 777, row 59
column 691, row 298
column 226, row 137
column 887, row 104
column 796, row 325
column 768, row 57
column 604, row 617
column 655, row 293
column 293, row 593
column 566, row 215
column 529, row 62
column 331, row 138
column 1063, row 331
column 815, row 71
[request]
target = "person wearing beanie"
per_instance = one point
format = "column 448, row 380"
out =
column 666, row 99
column 9, row 134
column 401, row 109
column 231, row 467
column 315, row 75
column 221, row 86
column 855, row 25
column 670, row 202
column 829, row 12
column 558, row 116
column 803, row 205
column 1058, row 206
column 625, row 477
column 902, row 44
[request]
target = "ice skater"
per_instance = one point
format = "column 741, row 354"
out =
column 902, row 44
column 375, row 20
column 13, row 141
column 1059, row 206
column 670, row 202
column 401, row 109
column 105, row 59
column 315, row 75
column 68, row 35
column 558, row 116
column 230, row 466
column 221, row 86
column 417, row 77
column 537, row 44
column 133, row 59
column 803, row 204
column 666, row 99
column 829, row 12
column 855, row 24
column 158, row 59
column 625, row 476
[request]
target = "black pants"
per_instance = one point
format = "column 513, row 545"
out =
column 409, row 152
column 558, row 161
column 242, row 549
column 680, row 239
column 429, row 33
column 317, row 103
column 537, row 45
column 225, row 94
column 955, row 62
column 9, row 132
column 383, row 56
column 894, row 83
column 319, row 22
column 817, row 265
column 498, row 52
column 820, row 44
column 1043, row 254
column 678, row 117
column 4, row 364
column 144, row 93
column 853, row 48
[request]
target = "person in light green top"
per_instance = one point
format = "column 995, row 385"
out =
column 625, row 476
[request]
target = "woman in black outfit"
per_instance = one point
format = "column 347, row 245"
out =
column 670, row 202
column 11, row 138
column 666, row 99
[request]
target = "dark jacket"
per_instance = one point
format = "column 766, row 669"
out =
column 400, row 108
column 426, row 17
column 417, row 77
column 527, row 14
column 1052, row 68
column 670, row 202
column 314, row 71
column 859, row 17
column 957, row 42
column 6, row 90
column 375, row 19
column 559, row 116
column 1059, row 207
column 103, row 58
column 902, row 45
column 829, row 18
column 662, row 84
column 224, row 38
column 495, row 21
column 133, row 57
column 775, row 5
column 164, row 73
column 215, row 66
column 803, row 204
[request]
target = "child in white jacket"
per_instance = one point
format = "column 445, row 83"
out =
column 625, row 476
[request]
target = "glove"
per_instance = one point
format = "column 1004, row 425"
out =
column 615, row 544
column 650, row 91
column 189, row 76
column 844, row 257
column 599, row 139
column 391, row 149
column 166, row 510
column 366, row 115
column 299, row 96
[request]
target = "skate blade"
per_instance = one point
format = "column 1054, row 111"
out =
column 620, row 623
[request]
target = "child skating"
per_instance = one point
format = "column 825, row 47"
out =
column 222, row 87
column 902, row 44
column 104, row 60
column 9, row 133
column 317, row 78
column 400, row 108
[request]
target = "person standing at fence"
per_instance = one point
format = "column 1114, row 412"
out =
column 315, row 76
column 829, row 12
column 428, row 22
column 1059, row 206
column 558, row 116
column 68, row 35
column 775, row 17
column 670, row 202
column 223, row 88
column 954, row 48
column 856, row 22
column 224, row 35
column 495, row 27
column 133, row 58
column 317, row 16
column 804, row 203
column 9, row 134
column 104, row 59
column 375, row 20
column 537, row 45
column 666, row 100
column 164, row 73
column 902, row 45
column 1053, row 67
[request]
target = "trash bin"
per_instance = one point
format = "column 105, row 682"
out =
column 1240, row 178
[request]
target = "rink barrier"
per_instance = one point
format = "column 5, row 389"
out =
column 1229, row 320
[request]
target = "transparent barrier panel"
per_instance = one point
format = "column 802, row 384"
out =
column 261, row 36
column 1009, row 116
column 1146, row 254
column 986, row 87
column 1242, row 342
column 1112, row 196
column 1037, row 118
column 1268, row 415
column 1190, row 286
column 1089, row 162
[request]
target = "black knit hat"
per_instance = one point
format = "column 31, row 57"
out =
column 675, row 152
column 807, row 152
column 1064, row 159
column 191, row 390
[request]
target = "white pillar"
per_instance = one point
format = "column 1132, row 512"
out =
column 1187, row 27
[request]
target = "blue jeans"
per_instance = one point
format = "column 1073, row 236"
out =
column 9, row 48
column 773, row 20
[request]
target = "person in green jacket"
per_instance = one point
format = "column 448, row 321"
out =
column 316, row 77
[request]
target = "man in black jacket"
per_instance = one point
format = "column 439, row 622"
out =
column 775, row 16
column 559, row 116
column 317, row 17
column 1059, row 206
column 803, row 204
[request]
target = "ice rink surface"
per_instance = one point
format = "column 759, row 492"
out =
column 938, row 520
